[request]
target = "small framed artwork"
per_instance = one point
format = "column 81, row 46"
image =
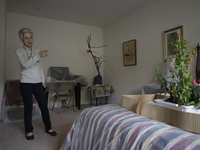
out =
column 169, row 36
column 129, row 53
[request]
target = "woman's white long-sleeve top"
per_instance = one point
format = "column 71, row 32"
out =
column 30, row 64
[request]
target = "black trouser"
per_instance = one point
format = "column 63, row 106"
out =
column 27, row 91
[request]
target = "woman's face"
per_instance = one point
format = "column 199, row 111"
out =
column 27, row 39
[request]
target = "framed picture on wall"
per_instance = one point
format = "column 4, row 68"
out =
column 169, row 36
column 129, row 53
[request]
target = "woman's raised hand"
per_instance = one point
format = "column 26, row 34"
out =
column 43, row 53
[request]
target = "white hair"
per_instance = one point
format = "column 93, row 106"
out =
column 24, row 30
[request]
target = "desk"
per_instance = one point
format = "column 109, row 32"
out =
column 100, row 91
column 54, row 84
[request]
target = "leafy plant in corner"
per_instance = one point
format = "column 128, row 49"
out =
column 179, row 85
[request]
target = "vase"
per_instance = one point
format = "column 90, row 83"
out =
column 188, row 109
column 98, row 79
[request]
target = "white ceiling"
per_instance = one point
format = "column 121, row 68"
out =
column 89, row 12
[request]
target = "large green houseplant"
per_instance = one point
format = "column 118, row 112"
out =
column 179, row 85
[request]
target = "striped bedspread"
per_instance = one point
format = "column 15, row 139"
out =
column 112, row 127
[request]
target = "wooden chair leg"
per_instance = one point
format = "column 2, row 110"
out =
column 58, row 107
column 68, row 103
column 54, row 103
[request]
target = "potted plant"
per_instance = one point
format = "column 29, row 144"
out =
column 97, row 61
column 179, row 84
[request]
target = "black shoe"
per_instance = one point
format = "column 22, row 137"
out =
column 29, row 137
column 53, row 133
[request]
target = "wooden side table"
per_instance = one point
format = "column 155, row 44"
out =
column 100, row 92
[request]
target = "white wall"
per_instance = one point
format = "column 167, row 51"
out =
column 2, row 49
column 146, row 25
column 65, row 41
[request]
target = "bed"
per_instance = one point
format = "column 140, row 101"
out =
column 112, row 127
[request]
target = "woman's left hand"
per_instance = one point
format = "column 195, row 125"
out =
column 43, row 85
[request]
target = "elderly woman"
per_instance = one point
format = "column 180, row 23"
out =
column 32, row 82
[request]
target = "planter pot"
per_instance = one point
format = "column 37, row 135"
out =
column 189, row 109
column 98, row 79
